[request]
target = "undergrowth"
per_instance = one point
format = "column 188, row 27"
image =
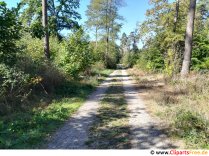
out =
column 180, row 103
column 30, row 128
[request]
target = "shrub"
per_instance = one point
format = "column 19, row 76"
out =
column 75, row 55
column 14, row 90
column 33, row 62
column 51, row 76
column 192, row 127
column 97, row 67
column 150, row 59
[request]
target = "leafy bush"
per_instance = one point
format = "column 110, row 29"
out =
column 34, row 48
column 14, row 86
column 150, row 59
column 200, row 53
column 75, row 55
column 33, row 62
column 192, row 127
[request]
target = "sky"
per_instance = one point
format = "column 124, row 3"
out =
column 133, row 12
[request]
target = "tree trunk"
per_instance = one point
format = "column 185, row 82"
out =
column 189, row 38
column 176, row 15
column 107, row 33
column 96, row 35
column 45, row 25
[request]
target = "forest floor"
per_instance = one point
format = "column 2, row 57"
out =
column 113, row 117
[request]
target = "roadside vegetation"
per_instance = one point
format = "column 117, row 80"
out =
column 180, row 104
column 171, row 69
column 43, row 82
column 43, row 113
column 38, row 94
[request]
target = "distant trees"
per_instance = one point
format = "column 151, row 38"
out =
column 104, row 18
column 125, row 44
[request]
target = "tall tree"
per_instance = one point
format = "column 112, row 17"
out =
column 103, row 16
column 176, row 15
column 93, row 14
column 133, row 37
column 124, row 44
column 45, row 26
column 189, row 39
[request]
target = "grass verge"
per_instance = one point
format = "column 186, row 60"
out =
column 111, row 130
column 182, row 104
column 29, row 129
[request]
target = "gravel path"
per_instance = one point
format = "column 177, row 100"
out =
column 145, row 134
column 74, row 133
column 144, row 131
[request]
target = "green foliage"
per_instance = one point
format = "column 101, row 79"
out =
column 200, row 51
column 161, row 33
column 150, row 59
column 193, row 127
column 28, row 130
column 104, row 18
column 33, row 62
column 112, row 56
column 34, row 93
column 10, row 33
column 61, row 15
column 75, row 55
column 33, row 47
column 109, row 59
column 129, row 59
column 15, row 87
column 163, row 37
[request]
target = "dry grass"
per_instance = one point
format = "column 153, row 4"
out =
column 172, row 101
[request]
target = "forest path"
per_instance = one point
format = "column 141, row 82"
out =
column 144, row 131
column 74, row 133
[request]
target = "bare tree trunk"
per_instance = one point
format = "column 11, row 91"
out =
column 96, row 35
column 189, row 38
column 45, row 25
column 174, row 45
column 107, row 33
column 176, row 15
